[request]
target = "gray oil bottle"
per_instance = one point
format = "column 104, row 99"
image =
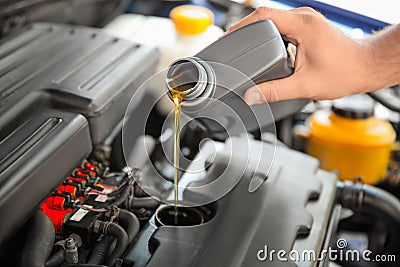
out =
column 213, row 81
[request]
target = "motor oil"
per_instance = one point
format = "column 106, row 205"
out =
column 177, row 97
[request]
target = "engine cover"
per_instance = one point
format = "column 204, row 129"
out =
column 297, row 198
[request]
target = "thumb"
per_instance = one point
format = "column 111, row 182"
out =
column 272, row 91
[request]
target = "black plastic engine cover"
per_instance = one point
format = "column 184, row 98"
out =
column 39, row 146
column 63, row 89
column 84, row 71
column 292, row 209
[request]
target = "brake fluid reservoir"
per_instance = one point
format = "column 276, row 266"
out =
column 349, row 139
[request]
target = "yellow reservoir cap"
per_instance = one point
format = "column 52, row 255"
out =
column 191, row 19
column 354, row 147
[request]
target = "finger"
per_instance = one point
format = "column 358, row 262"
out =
column 286, row 21
column 277, row 90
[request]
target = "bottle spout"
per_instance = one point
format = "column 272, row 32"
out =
column 188, row 78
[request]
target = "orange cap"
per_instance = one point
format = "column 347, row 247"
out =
column 191, row 19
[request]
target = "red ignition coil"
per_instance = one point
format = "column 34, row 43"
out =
column 71, row 189
column 56, row 208
column 84, row 172
column 91, row 166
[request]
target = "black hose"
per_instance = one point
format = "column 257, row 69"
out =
column 114, row 230
column 56, row 259
column 39, row 242
column 130, row 223
column 99, row 251
column 143, row 202
column 377, row 202
column 361, row 197
column 122, row 242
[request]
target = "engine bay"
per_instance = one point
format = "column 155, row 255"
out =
column 70, row 196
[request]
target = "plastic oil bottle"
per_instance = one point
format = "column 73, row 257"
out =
column 222, row 72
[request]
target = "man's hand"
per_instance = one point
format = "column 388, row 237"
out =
column 328, row 63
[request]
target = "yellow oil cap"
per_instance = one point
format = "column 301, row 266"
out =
column 191, row 19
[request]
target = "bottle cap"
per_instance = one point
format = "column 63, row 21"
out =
column 191, row 19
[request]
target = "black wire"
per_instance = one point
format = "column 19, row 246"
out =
column 120, row 189
column 122, row 197
column 388, row 100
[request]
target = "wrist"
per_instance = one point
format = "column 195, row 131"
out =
column 382, row 53
column 369, row 74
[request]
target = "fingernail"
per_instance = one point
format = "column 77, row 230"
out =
column 253, row 96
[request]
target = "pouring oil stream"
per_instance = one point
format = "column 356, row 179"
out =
column 177, row 97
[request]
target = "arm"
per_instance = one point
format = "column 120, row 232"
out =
column 385, row 58
column 328, row 63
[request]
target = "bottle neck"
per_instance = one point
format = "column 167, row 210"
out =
column 186, row 77
column 194, row 79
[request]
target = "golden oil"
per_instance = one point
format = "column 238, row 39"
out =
column 177, row 98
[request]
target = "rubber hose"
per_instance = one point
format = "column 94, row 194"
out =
column 382, row 202
column 121, row 236
column 130, row 223
column 99, row 251
column 56, row 259
column 370, row 199
column 39, row 242
column 375, row 201
column 143, row 202
column 122, row 242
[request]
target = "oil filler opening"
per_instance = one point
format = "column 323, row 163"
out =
column 187, row 216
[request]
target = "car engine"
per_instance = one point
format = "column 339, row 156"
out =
column 82, row 185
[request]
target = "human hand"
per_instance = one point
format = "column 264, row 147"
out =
column 328, row 63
